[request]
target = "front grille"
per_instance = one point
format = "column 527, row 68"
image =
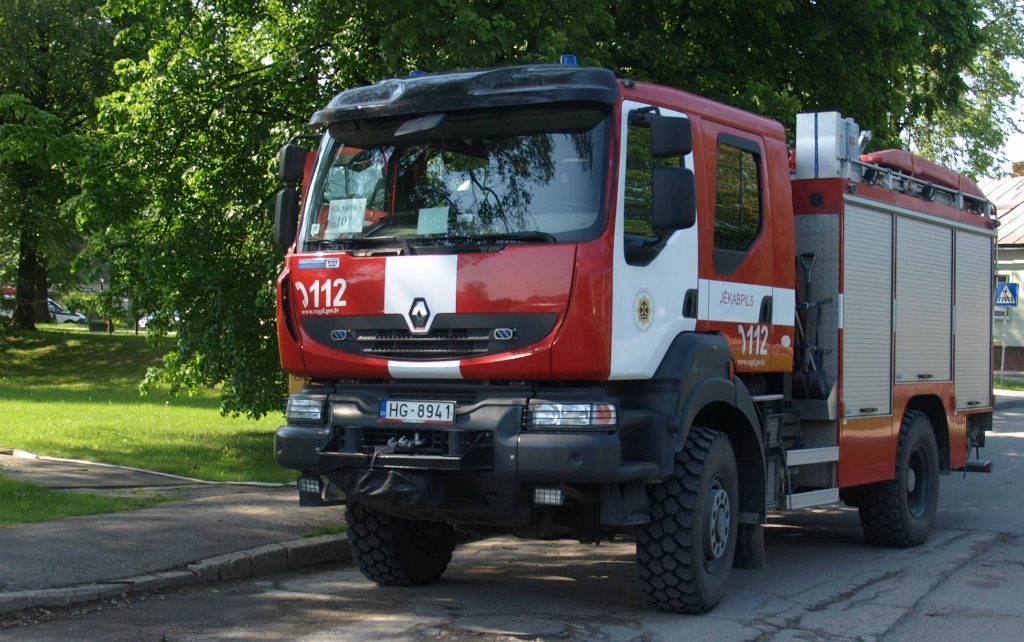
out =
column 444, row 343
column 452, row 335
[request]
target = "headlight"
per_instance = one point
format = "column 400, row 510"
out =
column 305, row 409
column 572, row 415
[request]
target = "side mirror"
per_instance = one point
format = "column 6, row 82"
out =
column 670, row 136
column 674, row 191
column 292, row 163
column 286, row 217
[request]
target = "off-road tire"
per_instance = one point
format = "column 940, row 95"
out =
column 398, row 552
column 686, row 551
column 901, row 512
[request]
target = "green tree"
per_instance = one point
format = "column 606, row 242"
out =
column 970, row 134
column 57, row 58
column 179, row 206
column 885, row 62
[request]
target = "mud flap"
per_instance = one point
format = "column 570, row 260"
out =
column 393, row 489
column 625, row 504
column 749, row 547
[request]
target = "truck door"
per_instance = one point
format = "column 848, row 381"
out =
column 737, row 293
column 651, row 276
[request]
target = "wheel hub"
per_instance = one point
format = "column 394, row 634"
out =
column 717, row 524
column 917, row 493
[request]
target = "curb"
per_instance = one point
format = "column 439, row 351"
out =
column 252, row 562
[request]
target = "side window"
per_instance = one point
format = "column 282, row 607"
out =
column 637, row 199
column 639, row 165
column 738, row 214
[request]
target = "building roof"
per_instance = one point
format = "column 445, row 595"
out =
column 1008, row 196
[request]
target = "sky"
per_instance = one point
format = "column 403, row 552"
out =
column 1015, row 148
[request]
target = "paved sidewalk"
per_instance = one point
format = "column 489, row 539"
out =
column 210, row 522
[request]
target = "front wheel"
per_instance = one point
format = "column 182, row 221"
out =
column 398, row 552
column 686, row 551
column 901, row 512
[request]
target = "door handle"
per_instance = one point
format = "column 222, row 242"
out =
column 690, row 304
column 766, row 310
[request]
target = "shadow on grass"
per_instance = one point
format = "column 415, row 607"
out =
column 46, row 358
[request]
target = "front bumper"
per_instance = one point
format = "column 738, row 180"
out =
column 480, row 468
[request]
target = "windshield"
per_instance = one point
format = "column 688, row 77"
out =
column 495, row 178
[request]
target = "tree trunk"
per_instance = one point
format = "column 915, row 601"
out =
column 42, row 307
column 28, row 268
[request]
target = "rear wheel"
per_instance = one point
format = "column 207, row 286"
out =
column 686, row 551
column 398, row 552
column 901, row 512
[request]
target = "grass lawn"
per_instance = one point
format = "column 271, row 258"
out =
column 24, row 503
column 1007, row 383
column 325, row 530
column 67, row 392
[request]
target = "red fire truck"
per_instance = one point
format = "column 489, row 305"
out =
column 546, row 301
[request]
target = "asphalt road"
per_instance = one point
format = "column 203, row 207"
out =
column 822, row 583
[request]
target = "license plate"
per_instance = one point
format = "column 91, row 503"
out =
column 417, row 412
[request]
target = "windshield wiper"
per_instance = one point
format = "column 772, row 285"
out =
column 363, row 242
column 509, row 238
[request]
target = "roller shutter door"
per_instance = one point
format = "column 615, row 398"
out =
column 867, row 312
column 924, row 301
column 973, row 354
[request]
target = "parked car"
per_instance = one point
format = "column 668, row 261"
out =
column 144, row 321
column 59, row 315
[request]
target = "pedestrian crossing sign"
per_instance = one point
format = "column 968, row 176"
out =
column 1006, row 295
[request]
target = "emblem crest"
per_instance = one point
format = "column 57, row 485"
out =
column 643, row 310
column 419, row 313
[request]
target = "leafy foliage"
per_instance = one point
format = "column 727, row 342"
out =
column 883, row 61
column 180, row 208
column 969, row 135
column 88, row 303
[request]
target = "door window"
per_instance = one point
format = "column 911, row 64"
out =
column 737, row 198
column 638, row 202
column 739, row 215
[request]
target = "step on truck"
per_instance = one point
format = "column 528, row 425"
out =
column 545, row 301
